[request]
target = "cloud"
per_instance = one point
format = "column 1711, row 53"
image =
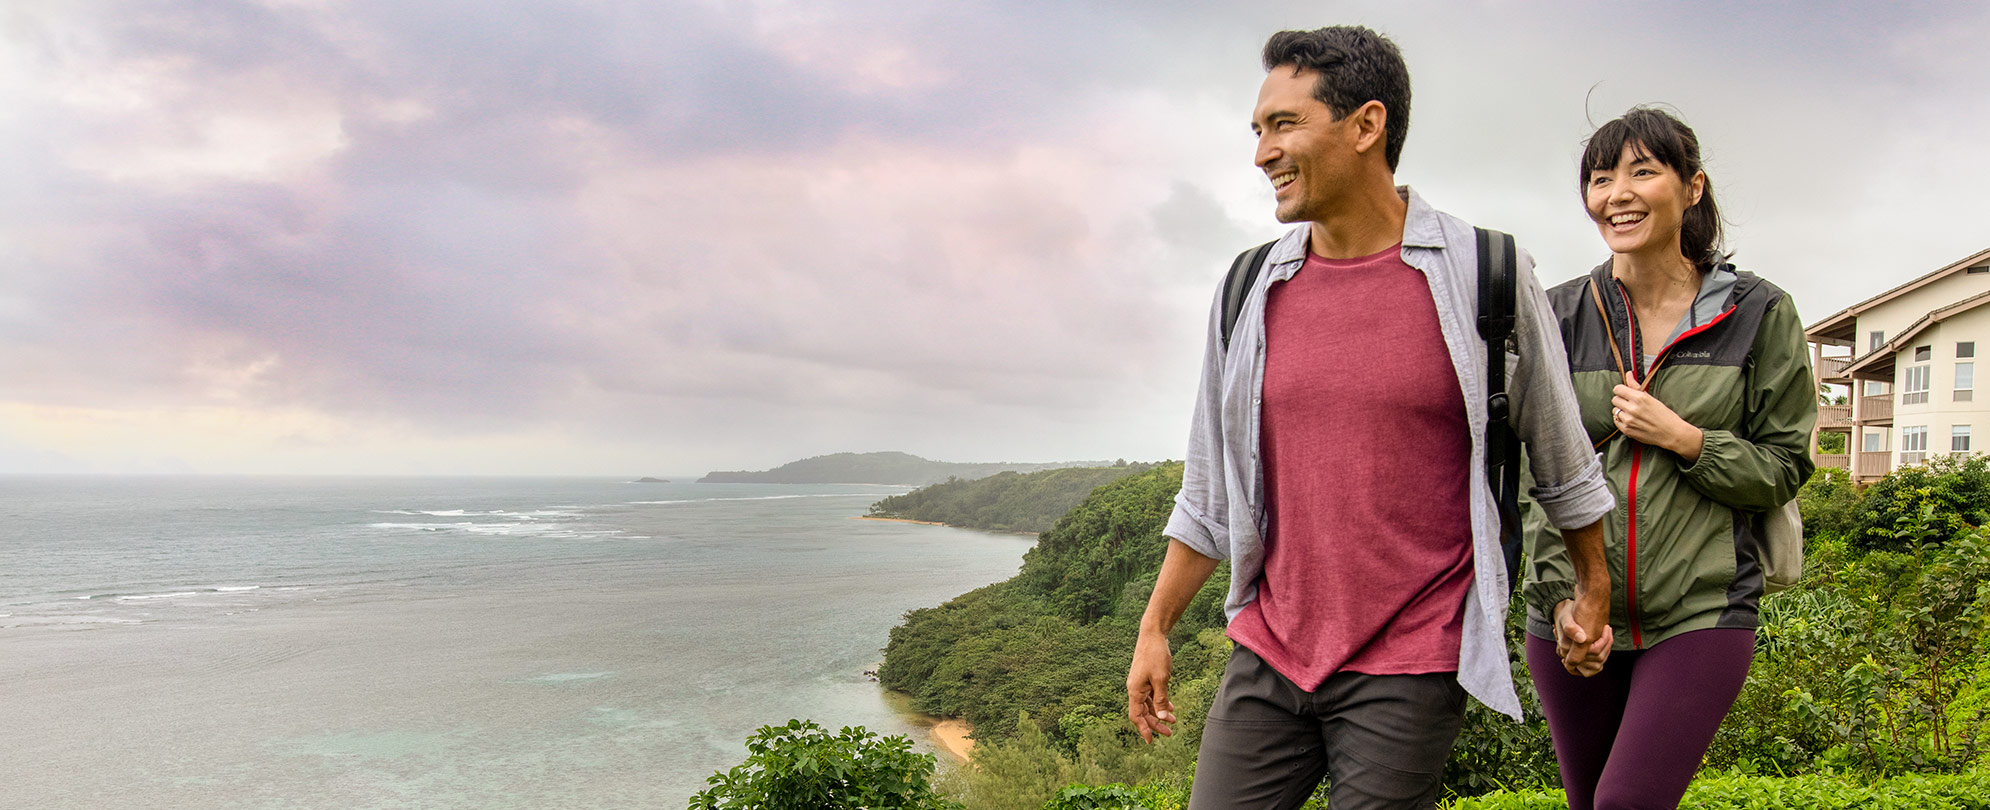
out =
column 735, row 232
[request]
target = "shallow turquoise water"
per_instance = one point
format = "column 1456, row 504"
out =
column 487, row 643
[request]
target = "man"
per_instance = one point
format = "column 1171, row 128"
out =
column 1337, row 460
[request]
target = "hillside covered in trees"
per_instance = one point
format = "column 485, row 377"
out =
column 875, row 468
column 1045, row 652
column 1871, row 683
column 1005, row 501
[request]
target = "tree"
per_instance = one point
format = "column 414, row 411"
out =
column 801, row 766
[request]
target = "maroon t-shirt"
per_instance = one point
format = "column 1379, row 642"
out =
column 1366, row 454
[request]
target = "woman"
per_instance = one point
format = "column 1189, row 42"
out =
column 1695, row 387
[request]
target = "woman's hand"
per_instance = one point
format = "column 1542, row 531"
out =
column 1643, row 418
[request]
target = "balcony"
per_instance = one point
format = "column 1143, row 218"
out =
column 1839, row 460
column 1834, row 417
column 1832, row 370
column 1876, row 409
column 1873, row 465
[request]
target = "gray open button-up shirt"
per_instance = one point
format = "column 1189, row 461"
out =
column 1220, row 510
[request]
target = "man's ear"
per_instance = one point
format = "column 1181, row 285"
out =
column 1371, row 125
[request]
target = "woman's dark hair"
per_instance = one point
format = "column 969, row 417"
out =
column 1356, row 66
column 1655, row 133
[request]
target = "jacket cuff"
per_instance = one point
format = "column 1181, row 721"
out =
column 1577, row 503
column 1543, row 596
column 1186, row 526
column 1710, row 442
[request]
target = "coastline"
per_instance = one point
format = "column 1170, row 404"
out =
column 899, row 520
column 946, row 734
column 939, row 523
column 951, row 735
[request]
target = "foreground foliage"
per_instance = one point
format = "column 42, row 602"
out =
column 1875, row 667
column 1970, row 791
column 801, row 766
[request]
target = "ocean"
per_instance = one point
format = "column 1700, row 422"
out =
column 222, row 642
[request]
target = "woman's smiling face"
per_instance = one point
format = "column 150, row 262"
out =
column 1639, row 204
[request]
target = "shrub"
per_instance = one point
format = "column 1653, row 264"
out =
column 1830, row 503
column 1970, row 791
column 1104, row 797
column 1925, row 504
column 801, row 766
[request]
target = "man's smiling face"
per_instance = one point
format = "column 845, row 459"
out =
column 1307, row 155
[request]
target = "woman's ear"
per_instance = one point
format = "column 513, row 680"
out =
column 1699, row 188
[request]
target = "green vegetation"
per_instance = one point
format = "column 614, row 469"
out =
column 1870, row 687
column 801, row 766
column 1005, row 501
column 1925, row 503
column 873, row 468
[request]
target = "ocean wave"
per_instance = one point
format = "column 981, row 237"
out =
column 31, row 621
column 555, row 531
column 534, row 514
column 180, row 594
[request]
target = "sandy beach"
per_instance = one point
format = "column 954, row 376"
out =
column 951, row 736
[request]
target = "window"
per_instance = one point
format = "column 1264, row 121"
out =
column 1874, row 441
column 1965, row 380
column 1875, row 388
column 1914, row 385
column 1959, row 439
column 1878, row 340
column 1923, row 354
column 1913, row 444
column 1965, row 349
column 1981, row 268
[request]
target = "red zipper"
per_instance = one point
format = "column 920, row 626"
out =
column 1631, row 491
column 1631, row 554
column 1637, row 456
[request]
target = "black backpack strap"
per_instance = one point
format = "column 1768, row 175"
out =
column 1243, row 273
column 1498, row 260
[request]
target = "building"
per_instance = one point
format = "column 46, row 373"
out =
column 1905, row 361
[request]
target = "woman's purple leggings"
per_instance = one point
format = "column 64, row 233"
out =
column 1632, row 736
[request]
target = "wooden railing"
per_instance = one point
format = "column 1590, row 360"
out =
column 1876, row 408
column 1873, row 465
column 1839, row 460
column 1831, row 368
column 1834, row 416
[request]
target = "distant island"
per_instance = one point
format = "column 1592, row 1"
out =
column 648, row 480
column 878, row 468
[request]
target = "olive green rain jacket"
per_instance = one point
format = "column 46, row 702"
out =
column 1684, row 543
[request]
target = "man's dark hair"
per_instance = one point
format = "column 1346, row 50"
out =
column 1655, row 133
column 1356, row 66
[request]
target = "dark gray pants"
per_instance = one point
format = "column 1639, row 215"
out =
column 1382, row 739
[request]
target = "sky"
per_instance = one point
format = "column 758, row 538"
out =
column 642, row 238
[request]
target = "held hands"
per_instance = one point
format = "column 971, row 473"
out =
column 1582, row 633
column 1147, row 687
column 1645, row 419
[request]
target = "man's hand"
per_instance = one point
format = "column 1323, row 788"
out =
column 1147, row 687
column 1582, row 633
column 1642, row 417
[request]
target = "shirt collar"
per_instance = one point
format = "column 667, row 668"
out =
column 1421, row 227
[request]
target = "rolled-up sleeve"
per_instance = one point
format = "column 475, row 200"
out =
column 1201, row 507
column 1568, row 478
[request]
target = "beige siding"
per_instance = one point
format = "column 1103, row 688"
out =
column 1899, row 313
column 1941, row 413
